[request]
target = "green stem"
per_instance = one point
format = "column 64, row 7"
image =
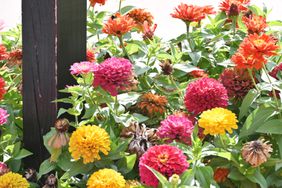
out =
column 179, row 90
column 119, row 6
column 273, row 91
column 188, row 35
column 222, row 142
column 234, row 23
column 253, row 80
column 123, row 49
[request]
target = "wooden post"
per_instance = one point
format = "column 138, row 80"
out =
column 54, row 37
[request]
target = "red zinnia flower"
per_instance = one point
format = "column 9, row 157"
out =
column 198, row 74
column 234, row 7
column 167, row 160
column 191, row 13
column 2, row 88
column 118, row 25
column 275, row 71
column 255, row 24
column 93, row 2
column 220, row 175
column 3, row 52
column 140, row 16
column 204, row 94
column 90, row 56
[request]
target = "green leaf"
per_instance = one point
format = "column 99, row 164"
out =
column 187, row 177
column 185, row 67
column 126, row 9
column 247, row 102
column 258, row 178
column 160, row 177
column 23, row 153
column 204, row 175
column 45, row 168
column 271, row 127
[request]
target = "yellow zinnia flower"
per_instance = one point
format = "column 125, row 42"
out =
column 87, row 141
column 13, row 180
column 106, row 178
column 217, row 121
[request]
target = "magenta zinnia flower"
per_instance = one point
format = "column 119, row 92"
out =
column 3, row 116
column 83, row 67
column 167, row 160
column 275, row 71
column 3, row 168
column 115, row 74
column 176, row 127
column 204, row 94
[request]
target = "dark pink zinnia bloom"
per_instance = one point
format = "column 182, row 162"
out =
column 3, row 168
column 204, row 94
column 175, row 127
column 3, row 116
column 115, row 74
column 275, row 71
column 83, row 67
column 167, row 160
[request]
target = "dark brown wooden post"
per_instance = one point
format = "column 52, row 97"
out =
column 54, row 37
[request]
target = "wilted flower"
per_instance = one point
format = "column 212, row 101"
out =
column 148, row 31
column 83, row 67
column 151, row 104
column 167, row 160
column 90, row 56
column 276, row 70
column 30, row 174
column 87, row 142
column 142, row 138
column 15, row 57
column 198, row 74
column 94, row 2
column 3, row 168
column 2, row 88
column 140, row 16
column 176, row 127
column 217, row 121
column 204, row 94
column 254, row 23
column 191, row 13
column 13, row 180
column 61, row 137
column 3, row 116
column 3, row 52
column 237, row 82
column 118, row 25
column 115, row 74
column 167, row 67
column 132, row 184
column 51, row 181
column 256, row 152
column 220, row 174
column 106, row 178
column 234, row 7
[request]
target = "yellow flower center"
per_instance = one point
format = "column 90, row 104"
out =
column 258, row 42
column 163, row 158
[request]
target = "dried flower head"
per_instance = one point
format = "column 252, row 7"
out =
column 62, row 125
column 61, row 137
column 277, row 69
column 220, row 174
column 15, row 57
column 167, row 67
column 30, row 174
column 87, row 142
column 142, row 138
column 151, row 104
column 140, row 16
column 148, row 31
column 118, row 25
column 51, row 181
column 256, row 152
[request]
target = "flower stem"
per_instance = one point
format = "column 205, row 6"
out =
column 119, row 6
column 253, row 80
column 188, row 35
column 123, row 49
column 234, row 23
column 174, row 83
column 273, row 91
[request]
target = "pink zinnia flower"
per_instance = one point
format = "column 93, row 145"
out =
column 83, row 67
column 167, row 160
column 115, row 74
column 3, row 116
column 275, row 71
column 176, row 127
column 204, row 94
column 3, row 168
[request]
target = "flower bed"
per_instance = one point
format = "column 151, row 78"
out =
column 201, row 110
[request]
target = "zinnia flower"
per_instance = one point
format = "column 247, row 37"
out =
column 198, row 74
column 118, row 25
column 3, row 168
column 2, row 88
column 254, row 23
column 3, row 116
column 13, row 180
column 237, row 82
column 191, row 13
column 217, row 121
column 106, row 178
column 151, row 104
column 256, row 152
column 90, row 56
column 94, row 2
column 3, row 52
column 167, row 160
column 176, row 127
column 253, row 51
column 220, row 174
column 61, row 137
column 167, row 67
column 51, row 181
column 276, row 70
column 87, row 142
column 140, row 16
column 15, row 57
column 148, row 31
column 83, row 67
column 204, row 94
column 115, row 74
column 234, row 7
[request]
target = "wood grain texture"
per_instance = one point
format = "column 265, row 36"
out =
column 54, row 37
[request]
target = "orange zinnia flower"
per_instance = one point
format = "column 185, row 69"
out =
column 234, row 7
column 151, row 105
column 220, row 175
column 255, row 24
column 93, row 2
column 118, row 25
column 140, row 16
column 191, row 13
column 90, row 55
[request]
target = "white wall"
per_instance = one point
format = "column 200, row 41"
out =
column 10, row 11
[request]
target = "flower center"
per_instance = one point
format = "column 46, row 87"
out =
column 163, row 158
column 258, row 42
